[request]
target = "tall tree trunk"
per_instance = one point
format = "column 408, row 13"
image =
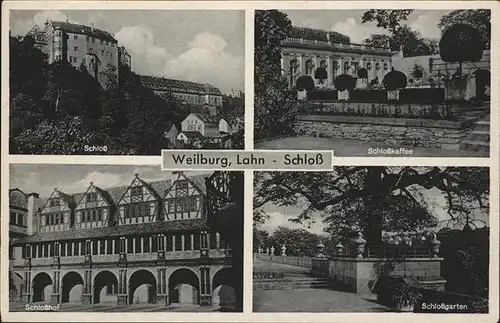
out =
column 373, row 220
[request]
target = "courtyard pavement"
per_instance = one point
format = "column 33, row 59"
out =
column 308, row 300
column 352, row 148
column 111, row 307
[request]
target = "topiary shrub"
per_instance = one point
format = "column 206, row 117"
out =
column 344, row 82
column 305, row 82
column 461, row 43
column 362, row 73
column 394, row 80
column 320, row 74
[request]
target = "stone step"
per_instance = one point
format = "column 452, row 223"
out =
column 482, row 125
column 472, row 145
column 479, row 135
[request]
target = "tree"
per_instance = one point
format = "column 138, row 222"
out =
column 304, row 82
column 368, row 198
column 363, row 73
column 461, row 43
column 387, row 19
column 394, row 80
column 298, row 242
column 275, row 104
column 411, row 41
column 344, row 82
column 479, row 18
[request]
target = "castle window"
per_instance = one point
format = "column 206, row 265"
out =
column 94, row 247
column 63, row 249
column 12, row 219
column 109, row 247
column 69, row 245
column 102, row 247
column 45, row 250
column 170, row 245
column 154, row 244
column 187, row 242
column 196, row 245
column 130, row 245
column 137, row 244
column 145, row 244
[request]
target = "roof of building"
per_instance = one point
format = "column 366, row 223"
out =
column 83, row 30
column 117, row 230
column 171, row 85
column 206, row 117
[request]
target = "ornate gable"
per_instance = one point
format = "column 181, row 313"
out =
column 139, row 203
column 183, row 200
column 57, row 213
column 94, row 209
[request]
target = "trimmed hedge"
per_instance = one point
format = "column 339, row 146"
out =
column 426, row 95
column 368, row 95
column 322, row 95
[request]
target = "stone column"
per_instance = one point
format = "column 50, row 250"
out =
column 302, row 65
column 122, row 298
column 330, row 70
column 56, row 296
column 87, row 287
column 205, row 287
column 27, row 287
column 161, row 287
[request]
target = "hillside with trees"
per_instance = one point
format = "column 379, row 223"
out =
column 58, row 109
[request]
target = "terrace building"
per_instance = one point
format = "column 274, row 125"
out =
column 78, row 45
column 308, row 49
column 189, row 92
column 148, row 242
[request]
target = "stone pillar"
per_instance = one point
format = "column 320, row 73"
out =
column 122, row 298
column 161, row 287
column 302, row 65
column 87, row 287
column 359, row 243
column 56, row 296
column 26, row 295
column 205, row 292
column 330, row 70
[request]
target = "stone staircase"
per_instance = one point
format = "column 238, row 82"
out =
column 479, row 139
column 290, row 283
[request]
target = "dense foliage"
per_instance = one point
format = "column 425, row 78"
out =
column 363, row 73
column 479, row 18
column 275, row 104
column 321, row 74
column 344, row 82
column 318, row 34
column 461, row 43
column 58, row 109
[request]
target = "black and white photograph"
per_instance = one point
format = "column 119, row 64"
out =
column 124, row 239
column 373, row 82
column 125, row 82
column 372, row 239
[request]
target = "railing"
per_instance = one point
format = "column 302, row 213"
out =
column 293, row 40
column 398, row 251
column 289, row 260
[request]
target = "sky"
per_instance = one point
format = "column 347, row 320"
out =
column 72, row 179
column 202, row 46
column 281, row 216
column 348, row 22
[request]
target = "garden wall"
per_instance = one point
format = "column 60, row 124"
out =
column 395, row 131
column 288, row 260
column 359, row 274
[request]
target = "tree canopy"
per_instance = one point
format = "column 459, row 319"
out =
column 394, row 80
column 304, row 82
column 461, row 43
column 387, row 19
column 373, row 199
column 344, row 82
column 479, row 18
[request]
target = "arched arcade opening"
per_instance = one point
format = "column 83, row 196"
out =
column 184, row 287
column 224, row 289
column 142, row 287
column 105, row 287
column 72, row 287
column 42, row 287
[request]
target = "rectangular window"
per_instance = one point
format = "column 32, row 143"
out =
column 178, row 242
column 213, row 240
column 23, row 252
column 99, row 214
column 117, row 246
column 91, row 197
column 94, row 247
column 109, row 247
column 135, row 191
column 40, row 250
column 130, row 245
column 94, row 215
column 170, row 245
column 20, row 219
column 154, row 247
column 187, row 242
column 51, row 219
column 77, row 248
column 52, row 247
column 12, row 219
column 45, row 250
column 196, row 241
column 145, row 244
column 171, row 206
column 70, row 248
column 138, row 245
column 63, row 249
column 161, row 243
column 76, row 48
column 55, row 202
column 102, row 247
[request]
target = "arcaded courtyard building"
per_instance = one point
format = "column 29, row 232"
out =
column 148, row 242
